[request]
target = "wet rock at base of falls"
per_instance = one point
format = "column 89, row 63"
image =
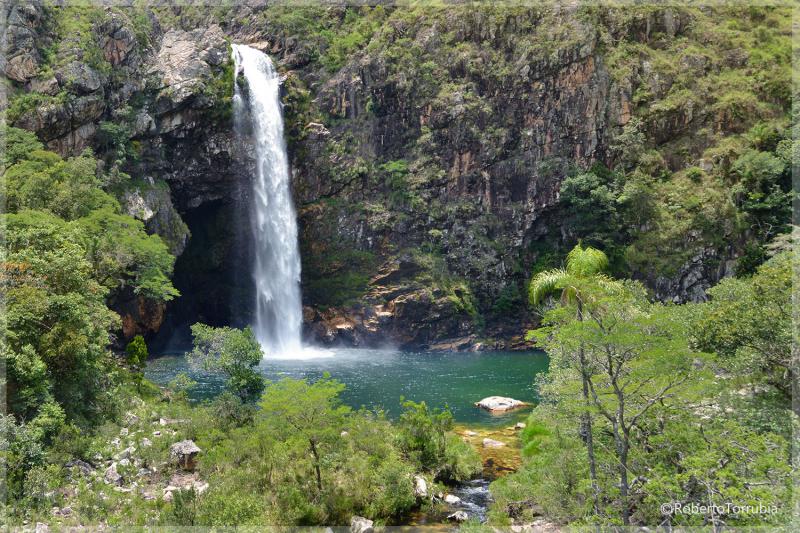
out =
column 500, row 403
column 184, row 453
column 359, row 524
column 458, row 516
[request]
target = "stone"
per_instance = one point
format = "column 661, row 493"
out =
column 491, row 443
column 156, row 433
column 111, row 476
column 143, row 472
column 469, row 433
column 42, row 528
column 79, row 77
column 499, row 403
column 452, row 499
column 185, row 454
column 359, row 524
column 519, row 425
column 200, row 486
column 84, row 467
column 420, row 487
column 130, row 419
column 123, row 432
column 146, row 443
column 124, row 462
column 126, row 453
column 458, row 516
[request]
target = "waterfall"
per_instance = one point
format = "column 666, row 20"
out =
column 276, row 269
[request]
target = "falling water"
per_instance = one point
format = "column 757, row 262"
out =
column 276, row 269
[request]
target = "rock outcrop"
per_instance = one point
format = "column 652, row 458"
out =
column 427, row 185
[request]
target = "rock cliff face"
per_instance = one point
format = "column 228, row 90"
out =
column 427, row 161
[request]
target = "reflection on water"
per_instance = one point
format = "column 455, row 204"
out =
column 379, row 378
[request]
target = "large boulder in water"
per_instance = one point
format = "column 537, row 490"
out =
column 500, row 403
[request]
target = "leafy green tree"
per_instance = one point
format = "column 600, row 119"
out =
column 640, row 358
column 309, row 413
column 748, row 322
column 123, row 254
column 136, row 353
column 425, row 436
column 233, row 352
column 583, row 265
column 55, row 315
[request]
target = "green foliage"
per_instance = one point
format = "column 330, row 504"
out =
column 582, row 263
column 136, row 353
column 24, row 102
column 233, row 352
column 425, row 437
column 748, row 323
column 123, row 254
column 657, row 405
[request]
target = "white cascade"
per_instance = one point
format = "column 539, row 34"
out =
column 276, row 270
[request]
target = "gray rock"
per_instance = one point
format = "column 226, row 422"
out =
column 130, row 419
column 111, row 476
column 359, row 524
column 185, row 454
column 491, row 443
column 79, row 77
column 499, row 403
column 84, row 467
column 458, row 516
column 452, row 499
column 420, row 487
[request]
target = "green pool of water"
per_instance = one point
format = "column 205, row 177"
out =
column 378, row 378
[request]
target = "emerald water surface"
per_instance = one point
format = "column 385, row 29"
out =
column 378, row 378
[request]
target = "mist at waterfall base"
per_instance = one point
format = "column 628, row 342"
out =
column 379, row 377
column 276, row 270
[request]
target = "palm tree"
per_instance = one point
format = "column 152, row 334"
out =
column 583, row 265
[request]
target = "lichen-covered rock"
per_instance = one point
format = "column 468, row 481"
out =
column 79, row 77
column 20, row 58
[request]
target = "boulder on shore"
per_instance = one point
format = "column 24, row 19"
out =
column 500, row 403
column 452, row 499
column 420, row 487
column 359, row 524
column 458, row 516
column 185, row 454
